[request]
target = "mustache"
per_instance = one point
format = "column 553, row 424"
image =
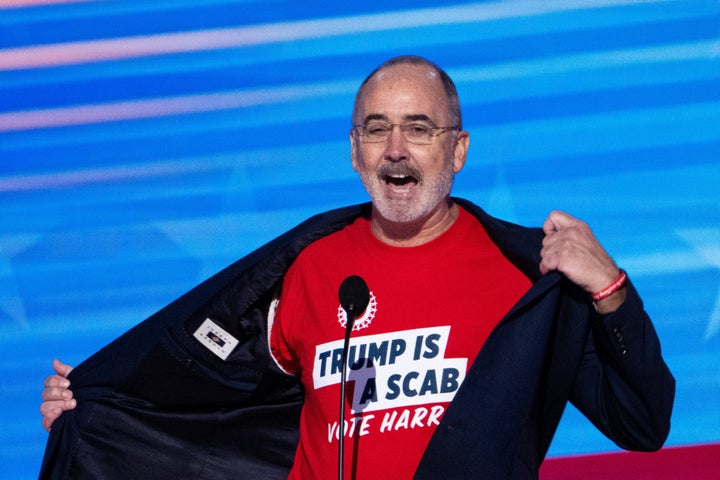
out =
column 399, row 168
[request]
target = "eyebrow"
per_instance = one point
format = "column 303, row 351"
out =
column 418, row 117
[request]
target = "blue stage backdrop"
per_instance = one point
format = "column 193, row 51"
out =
column 145, row 144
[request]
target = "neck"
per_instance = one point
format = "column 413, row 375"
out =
column 418, row 232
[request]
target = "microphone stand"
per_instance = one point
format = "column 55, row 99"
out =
column 354, row 297
column 343, row 381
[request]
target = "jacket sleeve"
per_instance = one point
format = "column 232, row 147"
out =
column 623, row 384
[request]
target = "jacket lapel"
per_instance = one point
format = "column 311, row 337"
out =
column 489, row 411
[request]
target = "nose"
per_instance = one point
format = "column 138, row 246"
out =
column 396, row 145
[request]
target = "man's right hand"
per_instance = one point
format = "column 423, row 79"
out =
column 57, row 397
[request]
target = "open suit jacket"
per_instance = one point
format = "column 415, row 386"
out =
column 156, row 404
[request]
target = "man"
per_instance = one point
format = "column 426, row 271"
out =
column 477, row 334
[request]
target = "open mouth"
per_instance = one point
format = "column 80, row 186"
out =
column 399, row 177
column 400, row 180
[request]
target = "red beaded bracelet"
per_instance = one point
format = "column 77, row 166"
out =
column 616, row 285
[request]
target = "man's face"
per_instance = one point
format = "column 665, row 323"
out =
column 407, row 182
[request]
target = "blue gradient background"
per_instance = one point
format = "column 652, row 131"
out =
column 126, row 181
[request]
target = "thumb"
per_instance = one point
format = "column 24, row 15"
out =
column 555, row 221
column 61, row 369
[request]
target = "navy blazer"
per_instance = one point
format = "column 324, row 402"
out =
column 157, row 404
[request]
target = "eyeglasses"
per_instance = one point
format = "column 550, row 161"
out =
column 417, row 133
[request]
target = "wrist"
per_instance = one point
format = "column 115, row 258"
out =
column 612, row 296
column 618, row 283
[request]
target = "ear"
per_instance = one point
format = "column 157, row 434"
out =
column 462, row 143
column 353, row 151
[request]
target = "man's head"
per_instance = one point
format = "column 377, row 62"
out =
column 407, row 140
column 453, row 101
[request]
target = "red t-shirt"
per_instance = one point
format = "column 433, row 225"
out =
column 431, row 309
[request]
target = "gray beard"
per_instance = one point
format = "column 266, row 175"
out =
column 406, row 211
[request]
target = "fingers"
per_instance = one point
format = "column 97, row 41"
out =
column 56, row 381
column 570, row 247
column 52, row 410
column 57, row 397
column 49, row 417
column 50, row 414
column 56, row 388
column 561, row 238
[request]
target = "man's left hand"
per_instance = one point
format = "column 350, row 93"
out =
column 571, row 248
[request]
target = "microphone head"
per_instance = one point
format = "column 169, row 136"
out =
column 354, row 296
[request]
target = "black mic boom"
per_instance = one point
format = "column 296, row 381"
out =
column 354, row 296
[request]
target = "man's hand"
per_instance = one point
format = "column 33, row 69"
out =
column 56, row 397
column 571, row 248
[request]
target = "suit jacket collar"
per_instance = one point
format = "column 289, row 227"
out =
column 521, row 245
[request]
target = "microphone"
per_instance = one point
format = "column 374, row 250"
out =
column 354, row 296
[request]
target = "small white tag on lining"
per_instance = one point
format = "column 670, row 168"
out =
column 215, row 339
